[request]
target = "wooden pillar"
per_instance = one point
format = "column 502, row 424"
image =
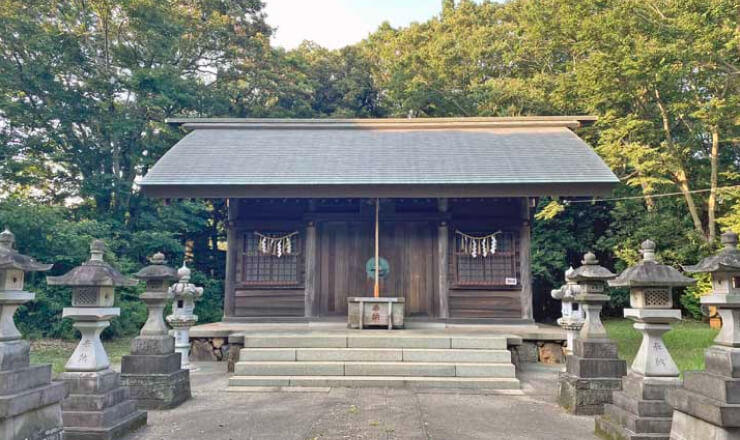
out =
column 232, row 248
column 311, row 276
column 442, row 252
column 525, row 252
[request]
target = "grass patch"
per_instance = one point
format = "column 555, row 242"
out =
column 686, row 341
column 56, row 351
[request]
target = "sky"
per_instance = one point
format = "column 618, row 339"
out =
column 337, row 23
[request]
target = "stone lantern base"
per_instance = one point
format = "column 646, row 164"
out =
column 29, row 400
column 592, row 373
column 708, row 404
column 98, row 407
column 153, row 375
column 639, row 411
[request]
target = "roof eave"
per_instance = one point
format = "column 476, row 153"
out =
column 561, row 189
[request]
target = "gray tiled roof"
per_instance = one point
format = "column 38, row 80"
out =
column 232, row 154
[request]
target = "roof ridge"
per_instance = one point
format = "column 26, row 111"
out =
column 386, row 123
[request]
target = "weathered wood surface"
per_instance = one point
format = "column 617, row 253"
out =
column 416, row 245
column 443, row 239
column 269, row 302
column 525, row 255
column 344, row 247
column 311, row 277
column 231, row 244
column 468, row 303
column 411, row 251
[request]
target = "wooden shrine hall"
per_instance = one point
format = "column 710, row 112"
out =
column 455, row 198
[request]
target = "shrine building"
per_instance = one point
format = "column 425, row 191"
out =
column 455, row 203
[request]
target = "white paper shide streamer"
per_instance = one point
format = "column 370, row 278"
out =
column 276, row 246
column 474, row 246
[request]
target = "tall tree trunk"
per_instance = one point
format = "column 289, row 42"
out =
column 712, row 202
column 679, row 174
column 683, row 184
column 649, row 200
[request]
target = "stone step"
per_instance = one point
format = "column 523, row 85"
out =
column 374, row 354
column 511, row 385
column 339, row 368
column 320, row 354
column 457, row 355
column 295, row 341
column 374, row 340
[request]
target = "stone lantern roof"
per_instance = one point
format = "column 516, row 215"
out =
column 11, row 259
column 94, row 272
column 590, row 270
column 649, row 272
column 157, row 270
column 726, row 260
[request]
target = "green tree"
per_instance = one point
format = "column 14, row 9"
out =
column 85, row 88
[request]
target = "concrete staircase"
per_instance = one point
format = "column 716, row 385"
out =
column 375, row 358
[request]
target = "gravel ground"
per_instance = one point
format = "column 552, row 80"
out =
column 366, row 413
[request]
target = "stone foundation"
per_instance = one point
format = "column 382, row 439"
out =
column 41, row 423
column 153, row 374
column 593, row 373
column 639, row 411
column 98, row 407
column 29, row 400
column 218, row 349
column 215, row 350
column 708, row 404
column 687, row 427
column 586, row 397
column 158, row 391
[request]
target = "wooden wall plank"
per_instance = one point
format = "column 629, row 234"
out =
column 272, row 303
column 484, row 304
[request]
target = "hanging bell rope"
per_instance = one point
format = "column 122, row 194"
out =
column 275, row 246
column 473, row 246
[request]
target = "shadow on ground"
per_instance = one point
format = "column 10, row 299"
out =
column 366, row 413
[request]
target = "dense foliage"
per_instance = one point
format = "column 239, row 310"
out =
column 85, row 87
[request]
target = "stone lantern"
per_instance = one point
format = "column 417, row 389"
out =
column 641, row 410
column 572, row 315
column 182, row 317
column 708, row 404
column 98, row 406
column 29, row 400
column 152, row 370
column 593, row 371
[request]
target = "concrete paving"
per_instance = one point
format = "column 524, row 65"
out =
column 366, row 413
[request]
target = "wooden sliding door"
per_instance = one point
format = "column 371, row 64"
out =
column 410, row 247
column 411, row 250
column 343, row 249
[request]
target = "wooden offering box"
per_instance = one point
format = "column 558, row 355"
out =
column 364, row 312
